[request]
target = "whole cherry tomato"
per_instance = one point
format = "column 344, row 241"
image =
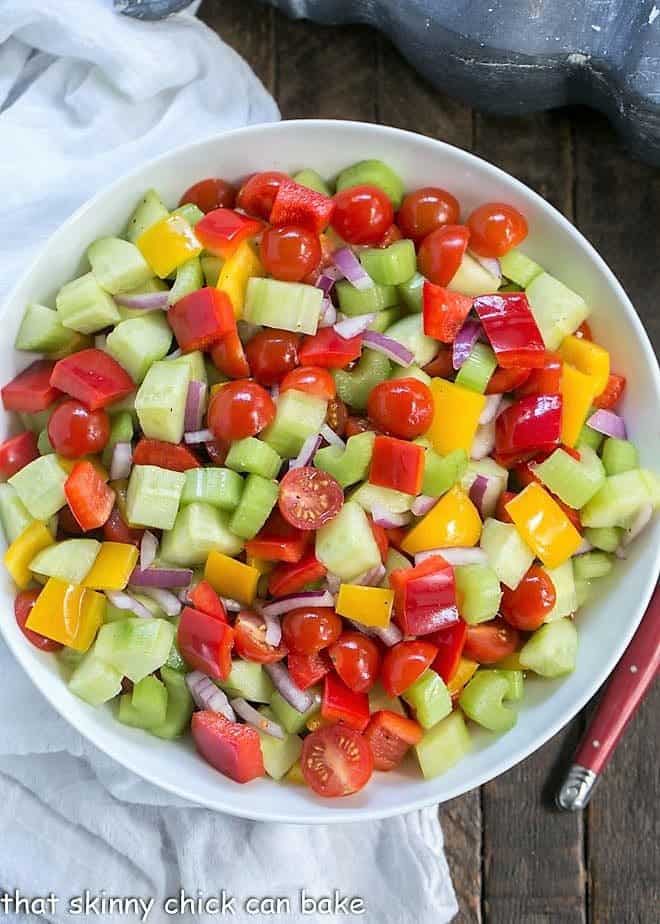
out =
column 527, row 606
column 356, row 658
column 401, row 407
column 441, row 252
column 584, row 332
column 313, row 380
column 495, row 228
column 309, row 497
column 210, row 194
column 404, row 663
column 391, row 235
column 362, row 214
column 75, row 431
column 250, row 640
column 336, row 416
column 426, row 209
column 271, row 354
column 310, row 629
column 336, row 761
column 491, row 641
column 356, row 425
column 240, row 409
column 290, row 253
column 22, row 607
column 257, row 194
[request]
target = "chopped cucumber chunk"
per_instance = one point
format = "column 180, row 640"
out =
column 219, row 487
column 160, row 402
column 153, row 285
column 69, row 560
column 290, row 306
column 253, row 456
column 44, row 444
column 497, row 482
column 592, row 565
column 148, row 211
column 471, row 278
column 117, row 265
column 190, row 212
column 519, row 268
column 279, row 754
column 14, row 515
column 379, row 699
column 410, row 292
column 442, row 472
column 298, row 416
column 508, row 554
column 189, row 278
column 573, row 482
column 289, row 718
column 346, row 545
column 40, row 486
column 557, row 310
column 179, row 705
column 348, row 465
column 620, row 497
column 481, row 701
column 443, row 746
column 429, row 697
column 257, row 500
column 619, row 456
column 566, row 602
column 153, row 496
column 588, row 437
column 552, row 649
column 390, row 266
column 138, row 343
column 384, row 319
column 373, row 173
column 249, row 680
column 367, row 495
column 478, row 593
column 354, row 301
column 395, row 561
column 409, row 333
column 605, row 538
column 211, row 266
column 412, row 372
column 355, row 386
column 194, row 363
column 82, row 305
column 476, row 371
column 121, row 431
column 149, row 698
column 135, row 647
column 94, row 681
column 199, row 529
column 42, row 330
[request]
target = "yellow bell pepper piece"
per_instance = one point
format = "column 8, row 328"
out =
column 67, row 613
column 370, row 606
column 112, row 567
column 453, row 521
column 465, row 671
column 578, row 391
column 231, row 578
column 588, row 357
column 167, row 244
column 543, row 525
column 237, row 269
column 23, row 549
column 456, row 416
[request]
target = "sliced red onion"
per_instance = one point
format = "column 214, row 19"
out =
column 484, row 441
column 331, row 437
column 184, row 595
column 124, row 601
column 165, row 599
column 328, row 313
column 384, row 517
column 246, row 331
column 351, row 327
column 295, row 601
column 372, row 577
column 121, row 461
column 333, row 583
column 349, row 265
column 198, row 436
column 640, row 522
column 621, row 552
column 148, row 549
column 465, row 340
column 273, row 625
column 195, row 402
column 161, row 577
column 504, row 404
column 301, row 700
column 307, row 451
column 422, row 504
column 490, row 408
column 490, row 264
column 485, row 494
column 388, row 347
column 253, row 717
column 232, row 606
column 584, row 547
column 327, row 279
column 609, row 423
column 175, row 354
column 456, row 556
column 389, row 635
column 274, row 392
column 100, row 341
column 207, row 696
column 147, row 301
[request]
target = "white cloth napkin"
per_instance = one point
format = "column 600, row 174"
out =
column 86, row 95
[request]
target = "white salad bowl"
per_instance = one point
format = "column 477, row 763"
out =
column 605, row 624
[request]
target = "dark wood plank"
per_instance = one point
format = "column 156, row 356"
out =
column 249, row 28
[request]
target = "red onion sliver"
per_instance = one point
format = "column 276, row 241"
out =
column 165, row 599
column 232, row 606
column 273, row 628
column 384, row 517
column 307, row 451
column 195, row 402
column 609, row 423
column 351, row 327
column 465, row 340
column 301, row 700
column 198, row 436
column 124, row 601
column 207, row 696
column 422, row 504
column 456, row 556
column 389, row 635
column 147, row 301
column 333, row 583
column 331, row 437
column 477, row 492
column 148, row 549
column 253, row 717
column 327, row 279
column 641, row 520
column 121, row 461
column 295, row 601
column 484, row 441
column 161, row 577
column 372, row 577
column 175, row 354
column 328, row 313
column 388, row 347
column 490, row 264
column 485, row 492
column 504, row 404
column 349, row 265
column 490, row 408
column 100, row 341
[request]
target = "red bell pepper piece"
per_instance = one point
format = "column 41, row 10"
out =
column 504, row 380
column 532, row 424
column 391, row 736
column 175, row 457
column 230, row 747
column 92, row 377
column 229, row 357
column 222, row 230
column 88, row 496
column 289, row 578
column 329, row 350
column 545, row 380
column 297, row 205
column 339, row 704
column 31, row 390
column 510, row 326
column 16, row 452
column 201, row 318
column 205, row 642
column 306, row 669
column 380, row 535
column 397, row 464
column 612, row 391
column 396, row 535
column 425, row 596
column 204, row 598
column 443, row 311
column 278, row 541
column 450, row 642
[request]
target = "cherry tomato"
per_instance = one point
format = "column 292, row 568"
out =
column 75, row 431
column 210, row 194
column 336, row 416
column 527, row 606
column 309, row 497
column 402, row 407
column 426, row 209
column 289, row 253
column 612, row 391
column 491, row 641
column 392, row 234
column 495, row 228
column 257, row 194
column 250, row 640
column 217, row 451
column 240, row 409
column 357, row 425
column 441, row 252
column 356, row 658
column 67, row 525
column 362, row 214
column 336, row 761
column 271, row 354
column 503, row 380
column 22, row 607
column 404, row 663
column 313, row 380
column 584, row 332
column 308, row 630
column 442, row 367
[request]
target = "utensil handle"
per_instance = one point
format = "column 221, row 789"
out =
column 629, row 682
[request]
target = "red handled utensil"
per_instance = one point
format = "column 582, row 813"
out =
column 630, row 680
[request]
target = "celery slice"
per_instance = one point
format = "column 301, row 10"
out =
column 478, row 593
column 373, row 173
column 211, row 266
column 442, row 472
column 588, row 437
column 355, row 386
column 69, row 560
column 429, row 697
column 138, row 343
column 121, row 431
column 515, row 679
column 508, row 554
column 573, row 482
column 346, row 545
column 384, row 319
column 481, row 701
column 14, row 515
column 44, row 444
column 40, row 486
column 350, row 464
column 117, row 265
column 199, row 529
column 189, row 212
column 253, row 456
column 179, row 705
column 257, row 501
column 552, row 649
column 395, row 561
column 354, row 301
column 42, row 330
column 476, row 371
column 153, row 496
column 298, row 416
column 82, row 305
column 160, row 402
column 368, row 495
column 249, row 680
column 412, row 372
column 135, row 647
column 290, row 306
column 219, row 487
column 619, row 456
column 390, row 266
column 411, row 292
column 443, row 746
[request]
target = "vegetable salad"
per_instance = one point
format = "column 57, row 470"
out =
column 318, row 473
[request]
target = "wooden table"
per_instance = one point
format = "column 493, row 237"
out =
column 513, row 857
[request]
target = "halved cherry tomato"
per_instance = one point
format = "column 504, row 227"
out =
column 204, row 598
column 272, row 354
column 328, row 349
column 240, row 409
column 391, row 736
column 504, row 380
column 450, row 642
column 442, row 366
column 401, row 407
column 362, row 214
column 306, row 670
column 310, row 629
column 16, row 452
column 491, row 641
column 173, row 456
column 210, row 194
column 115, row 528
column 257, row 194
column 287, row 578
column 250, row 640
column 217, row 451
column 228, row 356
column 527, row 606
column 426, row 209
column 355, row 425
column 441, row 252
column 75, row 431
column 612, row 392
column 336, row 761
column 404, row 663
column 22, row 607
column 289, row 253
column 356, row 658
column 584, row 332
column 336, row 416
column 496, row 228
column 309, row 497
column 313, row 380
